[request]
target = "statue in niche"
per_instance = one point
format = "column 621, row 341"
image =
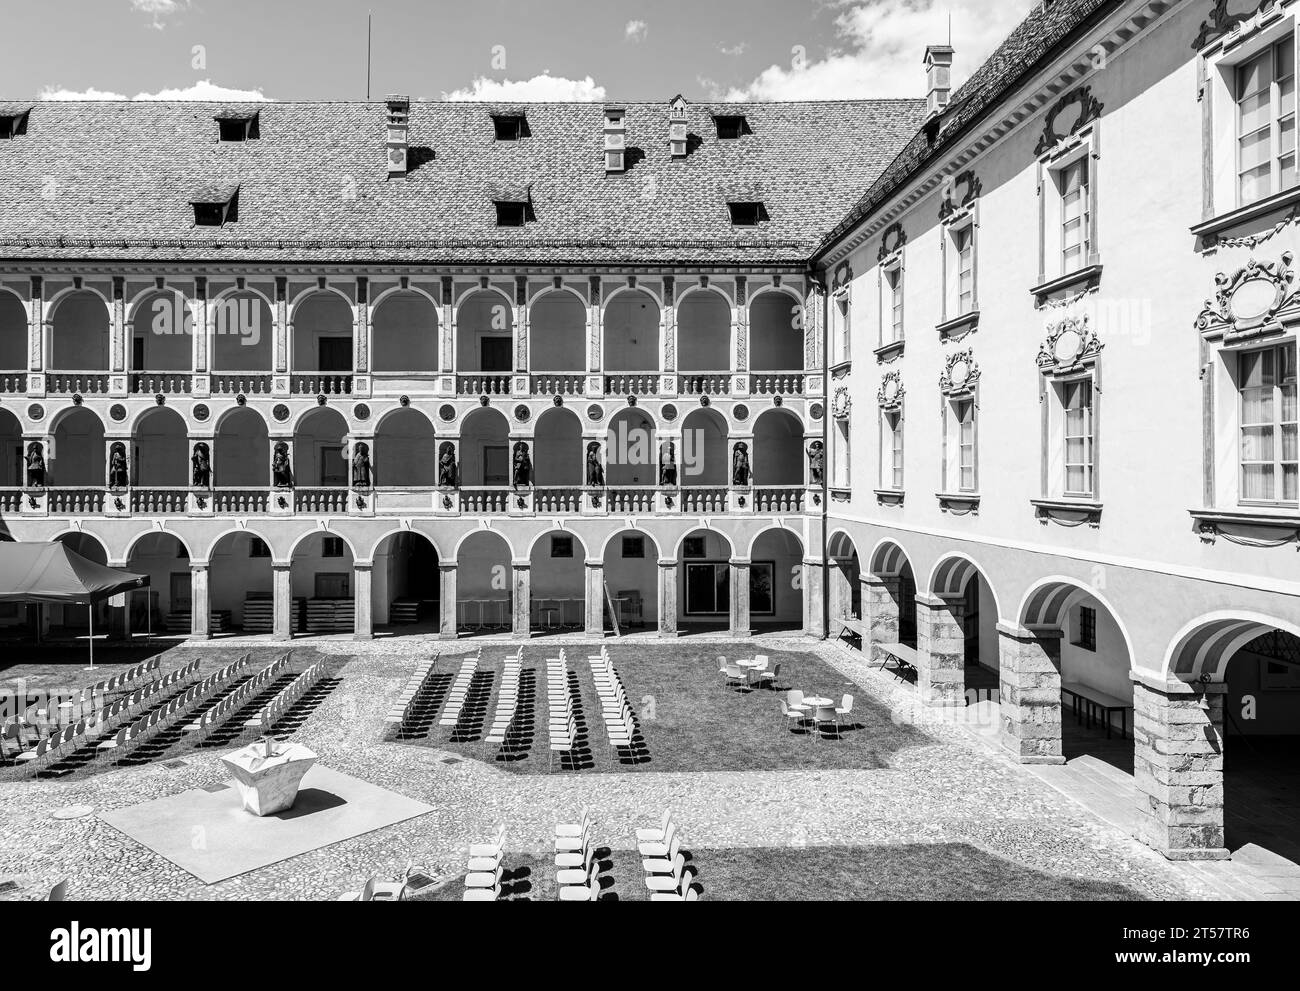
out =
column 447, row 466
column 523, row 466
column 281, row 471
column 361, row 467
column 595, row 469
column 817, row 463
column 668, row 465
column 201, row 467
column 35, row 465
column 117, row 469
column 740, row 473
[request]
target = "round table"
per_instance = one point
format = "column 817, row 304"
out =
column 816, row 702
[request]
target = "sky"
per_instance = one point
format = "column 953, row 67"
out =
column 623, row 50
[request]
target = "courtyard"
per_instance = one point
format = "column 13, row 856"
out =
column 897, row 803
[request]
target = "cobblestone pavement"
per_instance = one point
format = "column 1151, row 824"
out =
column 950, row 790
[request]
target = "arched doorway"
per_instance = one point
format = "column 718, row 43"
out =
column 241, row 583
column 484, row 584
column 557, row 583
column 957, row 636
column 166, row 604
column 322, row 334
column 13, row 341
column 845, row 580
column 632, row 576
column 160, row 455
column 320, row 457
column 557, row 326
column 322, row 579
column 776, row 333
column 704, row 342
column 778, row 458
column 559, row 460
column 704, row 582
column 890, row 601
column 776, row 581
column 404, row 585
column 703, row 461
column 241, row 456
column 77, row 461
column 404, row 335
column 241, row 333
column 12, row 467
column 631, row 333
column 79, row 333
column 162, row 340
column 631, row 451
column 485, row 334
column 406, row 451
column 485, row 450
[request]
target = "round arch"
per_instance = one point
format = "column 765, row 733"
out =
column 78, row 458
column 320, row 455
column 405, row 450
column 249, row 531
column 630, row 331
column 632, row 449
column 557, row 586
column 485, row 448
column 241, row 449
column 953, row 572
column 404, row 326
column 160, row 454
column 485, row 326
column 1046, row 604
column 80, row 322
column 241, row 329
column 557, row 332
column 12, row 474
column 704, row 458
column 718, row 546
column 704, row 318
column 778, row 456
column 1206, row 645
column 888, row 559
column 776, row 331
column 13, row 333
column 405, row 587
column 559, row 457
column 319, row 321
column 484, row 582
column 166, row 603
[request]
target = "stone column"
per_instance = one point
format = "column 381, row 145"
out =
column 838, row 592
column 880, row 606
column 740, row 623
column 36, row 327
column 1030, row 684
column 118, row 330
column 523, row 626
column 1178, row 767
column 282, row 594
column 941, row 651
column 814, row 616
column 667, row 600
column 200, row 604
column 447, row 600
column 363, row 619
column 361, row 328
column 283, row 329
column 594, row 326
column 199, row 327
column 595, row 618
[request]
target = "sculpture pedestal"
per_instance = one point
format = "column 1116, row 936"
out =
column 268, row 782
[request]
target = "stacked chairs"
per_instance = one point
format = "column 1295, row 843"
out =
column 460, row 690
column 209, row 719
column 508, row 698
column 620, row 721
column 577, row 872
column 287, row 698
column 562, row 726
column 484, row 872
column 401, row 709
column 666, row 874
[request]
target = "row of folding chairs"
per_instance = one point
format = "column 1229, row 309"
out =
column 87, row 703
column 620, row 721
column 460, row 690
column 400, row 711
column 287, row 698
column 576, row 869
column 666, row 874
column 484, row 872
column 507, row 698
column 208, row 720
column 562, row 726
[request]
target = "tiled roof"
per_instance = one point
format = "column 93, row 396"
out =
column 114, row 180
column 1044, row 29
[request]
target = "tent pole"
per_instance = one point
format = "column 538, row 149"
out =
column 90, row 614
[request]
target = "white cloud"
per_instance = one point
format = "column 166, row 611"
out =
column 202, row 90
column 636, row 31
column 159, row 10
column 543, row 88
column 737, row 49
column 883, row 42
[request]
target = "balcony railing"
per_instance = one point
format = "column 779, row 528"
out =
column 631, row 500
column 329, row 499
column 13, row 382
column 160, row 501
column 162, row 383
column 632, row 384
column 705, row 499
column 549, row 500
column 11, row 500
column 320, row 384
column 704, row 383
column 241, row 501
column 785, row 499
column 483, row 384
column 776, row 383
column 74, row 501
column 83, row 383
column 484, row 500
column 559, row 384
column 241, row 383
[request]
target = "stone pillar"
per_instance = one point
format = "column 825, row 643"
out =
column 363, row 619
column 447, row 600
column 282, row 594
column 199, row 327
column 814, row 615
column 839, row 594
column 283, row 329
column 880, row 605
column 595, row 619
column 523, row 626
column 447, row 335
column 361, row 329
column 741, row 329
column 36, row 327
column 941, row 651
column 667, row 599
column 1178, row 767
column 200, row 603
column 740, row 624
column 1030, row 677
column 118, row 330
column 668, row 328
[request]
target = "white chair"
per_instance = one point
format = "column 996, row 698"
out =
column 843, row 709
column 684, row 893
column 492, row 849
column 671, row 881
column 574, row 829
column 663, row 865
column 655, row 834
column 658, row 848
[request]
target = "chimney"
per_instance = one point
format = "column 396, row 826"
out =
column 615, row 139
column 677, row 135
column 399, row 112
column 938, row 78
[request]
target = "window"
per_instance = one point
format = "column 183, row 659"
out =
column 1076, row 401
column 334, row 354
column 257, row 548
column 238, row 128
column 633, row 547
column 561, row 547
column 1087, row 629
column 331, row 547
column 892, row 476
column 496, row 354
column 511, row 127
column 708, row 589
column 1075, row 219
column 333, row 468
column 842, row 475
column 693, row 547
column 959, row 462
column 1267, row 385
column 964, row 248
column 732, row 127
column 13, row 125
column 333, row 586
column 1265, row 98
column 842, row 316
column 747, row 214
column 514, row 213
column 893, row 328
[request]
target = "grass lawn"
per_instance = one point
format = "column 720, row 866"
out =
column 58, row 666
column 913, row 872
column 690, row 720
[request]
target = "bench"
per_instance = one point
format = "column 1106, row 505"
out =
column 903, row 657
column 850, row 628
column 1094, row 703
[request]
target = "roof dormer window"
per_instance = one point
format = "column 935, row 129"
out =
column 237, row 125
column 511, row 127
column 747, row 214
column 731, row 127
column 13, row 121
column 215, row 205
column 514, row 213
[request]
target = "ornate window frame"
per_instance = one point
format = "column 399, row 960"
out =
column 958, row 383
column 959, row 212
column 891, row 262
column 1070, row 352
column 890, row 399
